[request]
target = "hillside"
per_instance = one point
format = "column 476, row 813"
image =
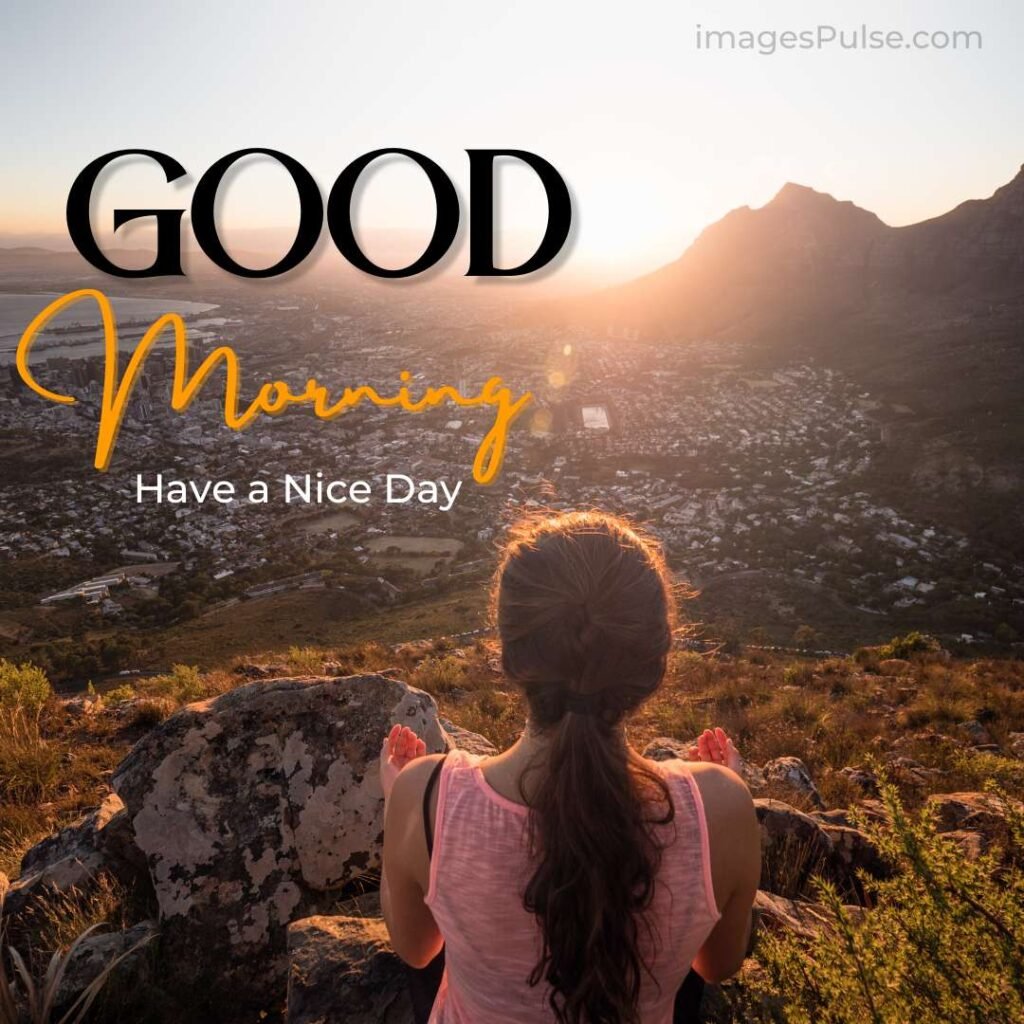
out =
column 820, row 738
column 928, row 318
column 805, row 258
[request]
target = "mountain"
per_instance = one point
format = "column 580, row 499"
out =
column 806, row 259
column 929, row 318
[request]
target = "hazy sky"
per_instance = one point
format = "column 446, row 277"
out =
column 655, row 137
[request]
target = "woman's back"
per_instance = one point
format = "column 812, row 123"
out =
column 478, row 871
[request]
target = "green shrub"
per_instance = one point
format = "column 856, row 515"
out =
column 943, row 944
column 911, row 643
column 440, row 675
column 119, row 695
column 23, row 686
column 183, row 683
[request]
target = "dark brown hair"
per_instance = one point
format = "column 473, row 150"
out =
column 585, row 614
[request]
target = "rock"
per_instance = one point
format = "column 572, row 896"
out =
column 794, row 847
column 664, row 748
column 797, row 846
column 252, row 671
column 463, row 739
column 837, row 816
column 790, row 773
column 102, row 841
column 1015, row 744
column 863, row 778
column 913, row 773
column 893, row 667
column 93, row 954
column 971, row 812
column 972, row 844
column 975, row 732
column 796, row 917
column 83, row 707
column 924, row 737
column 856, row 850
column 254, row 808
column 342, row 969
column 747, row 996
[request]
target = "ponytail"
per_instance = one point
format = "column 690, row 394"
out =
column 584, row 614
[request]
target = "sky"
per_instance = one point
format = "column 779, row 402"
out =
column 656, row 136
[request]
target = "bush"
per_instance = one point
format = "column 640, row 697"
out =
column 440, row 675
column 943, row 944
column 911, row 643
column 119, row 695
column 23, row 686
column 183, row 683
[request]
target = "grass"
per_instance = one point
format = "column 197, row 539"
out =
column 830, row 713
column 943, row 944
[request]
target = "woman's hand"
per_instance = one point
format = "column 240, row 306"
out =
column 400, row 746
column 714, row 745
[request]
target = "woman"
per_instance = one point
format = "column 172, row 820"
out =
column 570, row 879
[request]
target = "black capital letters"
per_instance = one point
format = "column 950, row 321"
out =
column 481, row 213
column 204, row 224
column 339, row 214
column 168, row 222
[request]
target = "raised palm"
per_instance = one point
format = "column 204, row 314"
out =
column 400, row 746
column 715, row 745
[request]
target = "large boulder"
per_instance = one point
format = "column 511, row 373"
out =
column 794, row 848
column 99, row 843
column 256, row 808
column 342, row 969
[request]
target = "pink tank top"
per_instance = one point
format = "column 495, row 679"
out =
column 479, row 870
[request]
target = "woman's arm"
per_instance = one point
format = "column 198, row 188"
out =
column 735, row 841
column 405, row 876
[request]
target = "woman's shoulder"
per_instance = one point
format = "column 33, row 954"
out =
column 724, row 795
column 412, row 780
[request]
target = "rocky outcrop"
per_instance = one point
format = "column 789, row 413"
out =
column 795, row 847
column 863, row 779
column 100, row 842
column 463, row 739
column 790, row 774
column 342, row 969
column 796, row 917
column 256, row 808
column 981, row 813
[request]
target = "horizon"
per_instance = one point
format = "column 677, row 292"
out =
column 595, row 103
column 404, row 243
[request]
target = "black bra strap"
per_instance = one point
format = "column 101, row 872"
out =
column 428, row 829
